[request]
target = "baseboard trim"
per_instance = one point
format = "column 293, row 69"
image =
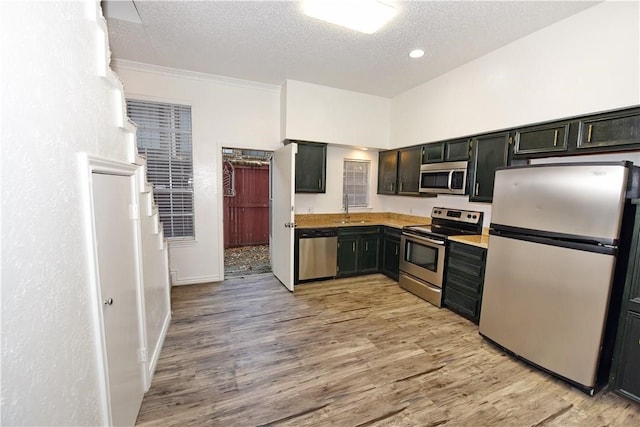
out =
column 195, row 280
column 158, row 348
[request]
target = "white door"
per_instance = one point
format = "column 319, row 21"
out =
column 116, row 250
column 282, row 214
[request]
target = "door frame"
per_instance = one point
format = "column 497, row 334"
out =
column 88, row 165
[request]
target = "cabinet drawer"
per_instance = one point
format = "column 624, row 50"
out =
column 461, row 303
column 457, row 280
column 358, row 231
column 458, row 250
column 462, row 265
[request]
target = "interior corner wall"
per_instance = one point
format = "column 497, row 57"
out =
column 55, row 104
column 225, row 113
column 586, row 63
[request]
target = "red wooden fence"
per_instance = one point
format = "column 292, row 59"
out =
column 246, row 215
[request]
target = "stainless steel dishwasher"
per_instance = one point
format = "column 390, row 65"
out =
column 317, row 253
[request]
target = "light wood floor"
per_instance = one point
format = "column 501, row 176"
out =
column 348, row 352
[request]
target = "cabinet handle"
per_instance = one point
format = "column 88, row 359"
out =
column 353, row 246
column 366, row 246
column 477, row 188
column 396, row 249
column 589, row 133
column 319, row 183
column 555, row 138
column 401, row 186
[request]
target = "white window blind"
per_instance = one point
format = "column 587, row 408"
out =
column 355, row 182
column 164, row 138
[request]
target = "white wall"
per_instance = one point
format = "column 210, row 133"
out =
column 225, row 113
column 55, row 104
column 324, row 114
column 331, row 200
column 586, row 63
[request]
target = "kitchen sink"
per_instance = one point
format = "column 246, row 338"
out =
column 352, row 221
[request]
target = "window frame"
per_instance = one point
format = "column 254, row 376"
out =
column 352, row 196
column 164, row 138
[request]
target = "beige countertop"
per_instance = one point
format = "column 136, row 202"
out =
column 388, row 219
column 481, row 241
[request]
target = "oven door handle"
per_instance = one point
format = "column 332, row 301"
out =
column 426, row 239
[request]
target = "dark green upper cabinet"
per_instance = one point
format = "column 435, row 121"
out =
column 409, row 170
column 433, row 153
column 489, row 152
column 388, row 172
column 311, row 166
column 612, row 129
column 541, row 139
column 456, row 151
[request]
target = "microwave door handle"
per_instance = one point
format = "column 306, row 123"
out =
column 423, row 239
column 450, row 179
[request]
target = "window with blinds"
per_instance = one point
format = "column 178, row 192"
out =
column 355, row 182
column 164, row 138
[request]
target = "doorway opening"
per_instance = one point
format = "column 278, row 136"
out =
column 245, row 179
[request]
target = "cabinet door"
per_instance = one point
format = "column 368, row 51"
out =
column 489, row 153
column 610, row 130
column 391, row 257
column 542, row 139
column 311, row 161
column 433, row 153
column 388, row 172
column 409, row 170
column 369, row 254
column 347, row 255
column 456, row 151
column 628, row 372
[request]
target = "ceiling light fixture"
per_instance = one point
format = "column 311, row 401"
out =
column 416, row 53
column 366, row 16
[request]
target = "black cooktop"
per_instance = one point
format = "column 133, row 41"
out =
column 450, row 222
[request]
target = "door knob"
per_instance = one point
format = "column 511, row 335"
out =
column 108, row 301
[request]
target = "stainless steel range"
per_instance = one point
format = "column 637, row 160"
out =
column 423, row 250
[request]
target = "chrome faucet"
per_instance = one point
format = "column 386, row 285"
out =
column 346, row 207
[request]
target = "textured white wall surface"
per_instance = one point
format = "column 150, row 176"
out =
column 586, row 63
column 55, row 104
column 225, row 113
column 324, row 114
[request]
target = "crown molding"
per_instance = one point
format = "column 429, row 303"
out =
column 123, row 64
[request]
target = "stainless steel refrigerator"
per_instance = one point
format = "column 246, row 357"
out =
column 553, row 247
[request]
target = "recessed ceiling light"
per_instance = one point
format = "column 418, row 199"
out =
column 416, row 53
column 366, row 16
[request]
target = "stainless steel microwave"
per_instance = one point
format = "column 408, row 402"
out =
column 444, row 178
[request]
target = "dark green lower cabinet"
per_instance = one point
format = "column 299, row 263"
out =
column 628, row 371
column 464, row 279
column 390, row 263
column 358, row 250
column 625, row 372
column 347, row 255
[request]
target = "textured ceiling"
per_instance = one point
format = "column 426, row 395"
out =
column 270, row 41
